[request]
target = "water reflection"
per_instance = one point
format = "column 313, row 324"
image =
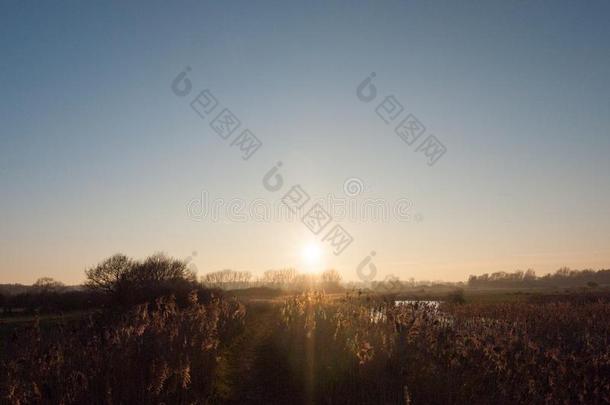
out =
column 378, row 314
column 419, row 304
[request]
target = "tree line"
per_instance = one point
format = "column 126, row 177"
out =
column 120, row 281
column 564, row 277
column 288, row 278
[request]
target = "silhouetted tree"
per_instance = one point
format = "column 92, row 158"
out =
column 47, row 284
column 227, row 279
column 110, row 276
column 127, row 281
column 331, row 279
column 159, row 268
column 564, row 277
column 279, row 278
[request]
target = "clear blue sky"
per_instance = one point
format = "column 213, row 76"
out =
column 97, row 155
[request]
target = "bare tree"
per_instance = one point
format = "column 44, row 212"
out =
column 128, row 281
column 47, row 284
column 228, row 279
column 159, row 268
column 331, row 279
column 111, row 274
column 279, row 278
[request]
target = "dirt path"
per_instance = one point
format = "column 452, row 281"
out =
column 254, row 372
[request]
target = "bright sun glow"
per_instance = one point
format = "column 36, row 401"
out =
column 312, row 255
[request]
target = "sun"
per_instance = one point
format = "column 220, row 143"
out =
column 312, row 256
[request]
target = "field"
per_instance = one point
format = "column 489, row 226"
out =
column 316, row 348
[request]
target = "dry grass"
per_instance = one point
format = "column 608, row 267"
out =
column 152, row 354
column 368, row 349
column 314, row 348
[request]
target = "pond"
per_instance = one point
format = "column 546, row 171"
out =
column 378, row 315
column 424, row 303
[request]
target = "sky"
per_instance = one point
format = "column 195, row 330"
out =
column 100, row 154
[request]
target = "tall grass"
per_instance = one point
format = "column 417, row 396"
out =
column 372, row 351
column 311, row 348
column 154, row 353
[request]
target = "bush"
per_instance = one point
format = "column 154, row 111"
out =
column 129, row 282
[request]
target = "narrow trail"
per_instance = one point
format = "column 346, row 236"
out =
column 254, row 373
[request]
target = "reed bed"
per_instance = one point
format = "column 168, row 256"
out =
column 369, row 350
column 154, row 353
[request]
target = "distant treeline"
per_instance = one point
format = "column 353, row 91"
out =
column 123, row 282
column 117, row 282
column 563, row 277
column 288, row 278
